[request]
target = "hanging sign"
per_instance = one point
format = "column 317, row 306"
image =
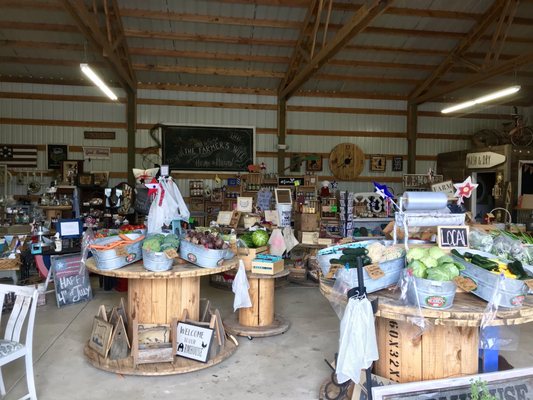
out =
column 419, row 181
column 486, row 159
column 290, row 181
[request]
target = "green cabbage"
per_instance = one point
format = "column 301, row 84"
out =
column 170, row 242
column 416, row 253
column 430, row 262
column 445, row 260
column 152, row 243
column 445, row 272
column 419, row 269
column 436, row 253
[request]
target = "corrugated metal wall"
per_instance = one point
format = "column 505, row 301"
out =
column 322, row 116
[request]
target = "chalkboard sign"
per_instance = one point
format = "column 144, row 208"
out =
column 193, row 341
column 453, row 237
column 290, row 181
column 208, row 148
column 71, row 279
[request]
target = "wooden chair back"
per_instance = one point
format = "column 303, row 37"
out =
column 25, row 305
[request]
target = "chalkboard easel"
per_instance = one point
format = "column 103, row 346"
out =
column 71, row 279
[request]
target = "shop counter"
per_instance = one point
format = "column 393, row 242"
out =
column 158, row 297
column 450, row 346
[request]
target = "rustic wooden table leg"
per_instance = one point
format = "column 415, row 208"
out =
column 250, row 316
column 266, row 302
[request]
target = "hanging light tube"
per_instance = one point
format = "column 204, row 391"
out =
column 97, row 81
column 483, row 99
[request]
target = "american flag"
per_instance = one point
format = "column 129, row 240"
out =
column 17, row 156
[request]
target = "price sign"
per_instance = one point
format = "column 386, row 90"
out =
column 467, row 284
column 529, row 283
column 121, row 251
column 171, row 253
column 455, row 237
column 374, row 271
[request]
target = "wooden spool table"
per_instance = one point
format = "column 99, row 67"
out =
column 158, row 297
column 259, row 320
column 449, row 348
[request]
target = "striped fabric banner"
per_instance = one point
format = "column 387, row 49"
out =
column 18, row 156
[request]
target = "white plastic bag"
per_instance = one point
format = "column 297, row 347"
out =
column 290, row 240
column 357, row 343
column 240, row 287
column 277, row 243
column 167, row 206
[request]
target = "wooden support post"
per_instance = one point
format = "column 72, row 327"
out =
column 131, row 121
column 412, row 122
column 282, row 130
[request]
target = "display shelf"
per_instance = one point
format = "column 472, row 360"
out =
column 373, row 219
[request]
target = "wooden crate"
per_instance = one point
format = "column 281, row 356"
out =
column 267, row 267
column 247, row 255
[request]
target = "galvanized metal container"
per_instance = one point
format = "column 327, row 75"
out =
column 437, row 295
column 206, row 258
column 119, row 256
column 512, row 291
column 156, row 261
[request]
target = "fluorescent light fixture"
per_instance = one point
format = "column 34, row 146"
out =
column 483, row 99
column 97, row 81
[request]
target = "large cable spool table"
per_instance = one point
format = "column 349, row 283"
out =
column 158, row 297
column 259, row 320
column 449, row 348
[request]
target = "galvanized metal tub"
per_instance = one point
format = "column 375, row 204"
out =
column 206, row 258
column 432, row 294
column 119, row 256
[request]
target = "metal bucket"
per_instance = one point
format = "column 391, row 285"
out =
column 512, row 291
column 436, row 295
column 206, row 258
column 156, row 261
column 117, row 258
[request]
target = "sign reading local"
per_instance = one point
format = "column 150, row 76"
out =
column 452, row 236
column 485, row 159
column 193, row 341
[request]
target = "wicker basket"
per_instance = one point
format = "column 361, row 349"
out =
column 10, row 263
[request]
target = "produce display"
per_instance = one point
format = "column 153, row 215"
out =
column 512, row 270
column 206, row 239
column 258, row 238
column 380, row 253
column 159, row 242
column 102, row 233
column 349, row 257
column 433, row 264
column 503, row 244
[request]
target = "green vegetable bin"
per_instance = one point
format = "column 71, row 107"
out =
column 437, row 295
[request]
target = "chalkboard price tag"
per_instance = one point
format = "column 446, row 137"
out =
column 171, row 253
column 529, row 283
column 374, row 271
column 121, row 251
column 455, row 237
column 465, row 283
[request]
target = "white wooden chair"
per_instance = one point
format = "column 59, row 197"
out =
column 11, row 347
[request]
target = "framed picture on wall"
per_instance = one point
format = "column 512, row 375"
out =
column 397, row 164
column 55, row 155
column 314, row 163
column 70, row 171
column 100, row 178
column 378, row 163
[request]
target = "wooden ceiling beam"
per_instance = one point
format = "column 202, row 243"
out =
column 472, row 37
column 500, row 33
column 208, row 71
column 361, row 19
column 89, row 27
column 502, row 68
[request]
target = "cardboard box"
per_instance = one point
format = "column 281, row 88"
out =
column 526, row 201
column 306, row 222
column 247, row 255
column 308, row 237
column 325, row 241
column 267, row 264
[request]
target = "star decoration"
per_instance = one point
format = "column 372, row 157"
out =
column 382, row 190
column 152, row 187
column 464, row 189
column 334, row 185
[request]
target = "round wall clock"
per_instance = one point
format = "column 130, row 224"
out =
column 346, row 161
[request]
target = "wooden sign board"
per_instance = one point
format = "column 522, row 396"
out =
column 444, row 187
column 455, row 237
column 485, row 159
column 71, row 279
column 193, row 341
column 106, row 135
column 245, row 204
column 290, row 181
column 420, row 181
column 100, row 339
column 512, row 384
column 224, row 218
column 272, row 217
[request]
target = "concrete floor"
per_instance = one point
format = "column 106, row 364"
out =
column 289, row 366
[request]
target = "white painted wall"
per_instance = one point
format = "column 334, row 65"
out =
column 152, row 114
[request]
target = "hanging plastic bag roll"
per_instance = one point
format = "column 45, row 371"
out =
column 424, row 200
